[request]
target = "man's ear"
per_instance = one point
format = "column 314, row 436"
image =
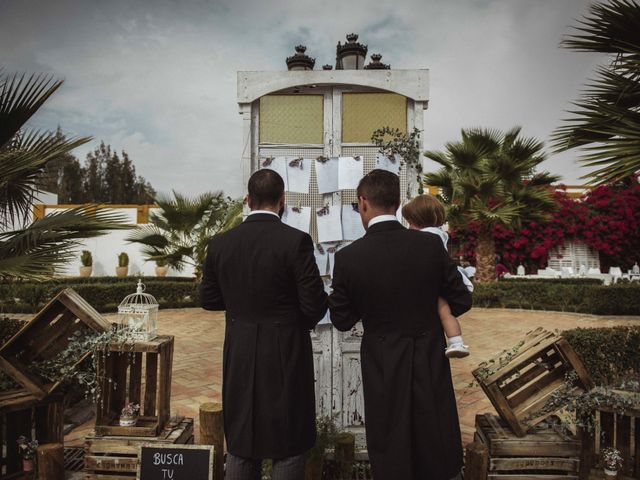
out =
column 281, row 202
column 249, row 201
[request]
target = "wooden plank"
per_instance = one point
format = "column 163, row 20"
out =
column 530, row 393
column 623, row 439
column 606, row 429
column 111, row 463
column 49, row 421
column 636, row 457
column 164, row 389
column 570, row 465
column 529, row 476
column 135, row 377
column 42, row 318
column 119, row 387
column 54, row 333
column 572, row 357
column 476, row 461
column 150, row 384
column 23, row 377
column 84, row 311
column 537, row 401
column 587, row 452
column 528, row 375
column 106, row 476
column 504, row 409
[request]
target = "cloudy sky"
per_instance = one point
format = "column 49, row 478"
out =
column 157, row 78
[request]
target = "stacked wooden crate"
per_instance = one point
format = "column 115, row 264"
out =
column 521, row 384
column 140, row 373
column 36, row 409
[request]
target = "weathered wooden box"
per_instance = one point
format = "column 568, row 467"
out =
column 45, row 336
column 546, row 453
column 139, row 373
column 115, row 457
column 20, row 412
column 521, row 382
column 614, row 427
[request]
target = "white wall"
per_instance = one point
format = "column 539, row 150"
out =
column 105, row 250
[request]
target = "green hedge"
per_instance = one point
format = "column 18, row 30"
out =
column 622, row 299
column 105, row 297
column 552, row 280
column 610, row 355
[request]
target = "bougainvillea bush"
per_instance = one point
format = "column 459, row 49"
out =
column 606, row 218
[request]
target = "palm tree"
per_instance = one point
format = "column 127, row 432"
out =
column 489, row 177
column 606, row 122
column 38, row 249
column 179, row 234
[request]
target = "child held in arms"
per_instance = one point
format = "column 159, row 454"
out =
column 426, row 213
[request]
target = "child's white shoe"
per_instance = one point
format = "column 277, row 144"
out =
column 457, row 350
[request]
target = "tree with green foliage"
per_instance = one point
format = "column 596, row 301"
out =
column 605, row 123
column 490, row 177
column 180, row 232
column 36, row 249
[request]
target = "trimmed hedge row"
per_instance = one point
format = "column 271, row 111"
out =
column 610, row 355
column 552, row 280
column 104, row 297
column 622, row 299
column 583, row 297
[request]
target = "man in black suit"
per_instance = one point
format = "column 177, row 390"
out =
column 264, row 274
column 391, row 280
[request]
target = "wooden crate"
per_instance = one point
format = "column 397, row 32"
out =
column 519, row 384
column 115, row 457
column 45, row 336
column 21, row 413
column 545, row 454
column 140, row 373
column 614, row 428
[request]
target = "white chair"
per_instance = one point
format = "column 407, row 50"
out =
column 594, row 271
column 582, row 271
column 567, row 271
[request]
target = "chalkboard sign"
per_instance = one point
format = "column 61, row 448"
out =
column 175, row 462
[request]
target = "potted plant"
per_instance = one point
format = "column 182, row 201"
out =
column 129, row 415
column 87, row 263
column 161, row 268
column 27, row 450
column 123, row 265
column 611, row 461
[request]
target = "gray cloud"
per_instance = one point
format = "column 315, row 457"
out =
column 158, row 78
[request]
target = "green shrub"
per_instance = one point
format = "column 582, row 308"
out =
column 610, row 355
column 8, row 328
column 28, row 297
column 621, row 299
column 562, row 281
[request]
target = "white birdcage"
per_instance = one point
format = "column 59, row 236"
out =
column 139, row 312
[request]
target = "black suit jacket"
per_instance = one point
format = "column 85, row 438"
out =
column 264, row 274
column 391, row 280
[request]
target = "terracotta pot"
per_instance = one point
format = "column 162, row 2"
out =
column 86, row 271
column 122, row 271
column 128, row 421
column 610, row 474
column 28, row 465
column 161, row 271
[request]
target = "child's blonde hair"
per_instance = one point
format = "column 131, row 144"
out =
column 424, row 211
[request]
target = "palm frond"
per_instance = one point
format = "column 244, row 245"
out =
column 20, row 99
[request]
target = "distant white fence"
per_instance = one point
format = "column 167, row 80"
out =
column 105, row 249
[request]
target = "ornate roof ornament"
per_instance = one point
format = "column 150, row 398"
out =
column 376, row 64
column 300, row 61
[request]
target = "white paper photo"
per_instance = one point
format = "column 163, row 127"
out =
column 327, row 174
column 329, row 224
column 298, row 174
column 322, row 259
column 350, row 171
column 277, row 164
column 388, row 163
column 297, row 217
column 352, row 228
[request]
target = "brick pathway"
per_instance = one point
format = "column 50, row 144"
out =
column 197, row 368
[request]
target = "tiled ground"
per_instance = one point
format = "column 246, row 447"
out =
column 197, row 368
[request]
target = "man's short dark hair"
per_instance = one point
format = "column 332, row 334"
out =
column 265, row 188
column 381, row 188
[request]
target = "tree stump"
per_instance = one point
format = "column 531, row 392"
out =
column 51, row 461
column 212, row 433
column 345, row 454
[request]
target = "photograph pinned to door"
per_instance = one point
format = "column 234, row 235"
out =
column 298, row 174
column 329, row 224
column 278, row 165
column 327, row 174
column 350, row 171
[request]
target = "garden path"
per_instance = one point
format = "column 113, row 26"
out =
column 197, row 368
